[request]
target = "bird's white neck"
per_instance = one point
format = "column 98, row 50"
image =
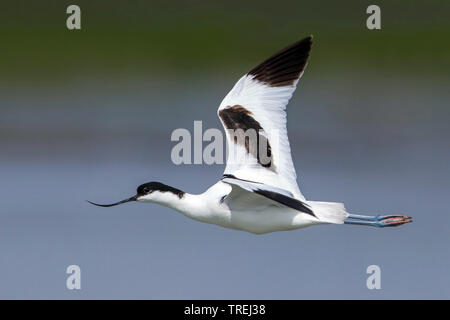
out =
column 191, row 205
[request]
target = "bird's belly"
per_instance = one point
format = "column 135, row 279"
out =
column 258, row 220
column 269, row 220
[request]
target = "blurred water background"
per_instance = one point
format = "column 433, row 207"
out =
column 88, row 114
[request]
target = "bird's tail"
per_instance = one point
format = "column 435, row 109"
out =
column 329, row 212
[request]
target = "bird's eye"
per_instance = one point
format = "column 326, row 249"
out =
column 146, row 190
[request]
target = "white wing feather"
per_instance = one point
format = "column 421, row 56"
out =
column 266, row 100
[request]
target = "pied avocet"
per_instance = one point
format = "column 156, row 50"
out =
column 254, row 196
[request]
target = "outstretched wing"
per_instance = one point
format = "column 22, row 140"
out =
column 254, row 117
column 278, row 195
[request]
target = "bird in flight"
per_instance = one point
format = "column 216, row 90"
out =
column 258, row 191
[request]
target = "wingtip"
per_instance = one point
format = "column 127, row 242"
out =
column 309, row 39
column 285, row 66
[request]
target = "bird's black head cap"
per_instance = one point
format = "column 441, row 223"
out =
column 150, row 187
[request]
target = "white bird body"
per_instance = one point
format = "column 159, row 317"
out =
column 258, row 192
column 242, row 210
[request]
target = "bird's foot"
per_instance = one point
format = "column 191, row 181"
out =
column 393, row 220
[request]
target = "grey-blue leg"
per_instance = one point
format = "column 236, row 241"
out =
column 392, row 220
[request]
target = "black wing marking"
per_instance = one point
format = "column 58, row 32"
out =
column 284, row 67
column 287, row 201
column 269, row 192
column 237, row 117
